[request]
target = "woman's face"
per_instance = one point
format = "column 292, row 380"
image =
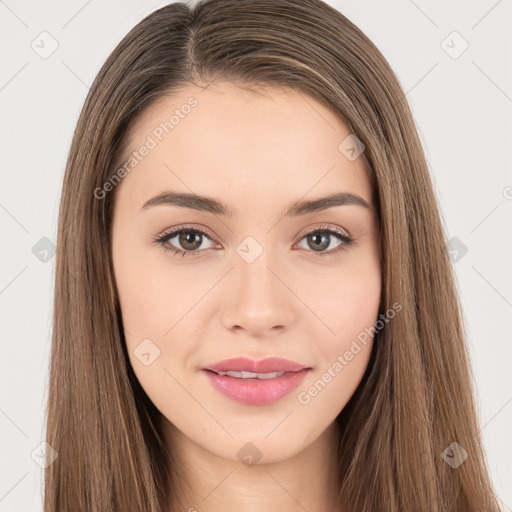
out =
column 252, row 281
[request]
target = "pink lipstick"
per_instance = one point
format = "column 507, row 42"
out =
column 256, row 382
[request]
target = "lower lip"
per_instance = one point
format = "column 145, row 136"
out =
column 256, row 391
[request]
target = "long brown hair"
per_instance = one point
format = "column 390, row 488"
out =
column 416, row 397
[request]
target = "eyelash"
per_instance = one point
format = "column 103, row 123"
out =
column 162, row 240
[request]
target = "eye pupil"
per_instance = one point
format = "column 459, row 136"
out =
column 189, row 237
column 321, row 239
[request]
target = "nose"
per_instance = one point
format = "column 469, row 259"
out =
column 257, row 298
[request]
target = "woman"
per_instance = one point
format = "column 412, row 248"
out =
column 254, row 306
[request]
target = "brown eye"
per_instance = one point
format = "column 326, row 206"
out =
column 320, row 240
column 188, row 241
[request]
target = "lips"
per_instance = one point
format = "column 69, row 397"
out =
column 255, row 382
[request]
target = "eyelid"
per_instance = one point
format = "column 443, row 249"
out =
column 175, row 231
column 324, row 227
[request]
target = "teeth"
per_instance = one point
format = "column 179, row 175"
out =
column 251, row 375
column 271, row 375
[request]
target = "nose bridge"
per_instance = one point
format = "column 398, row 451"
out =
column 257, row 299
column 255, row 267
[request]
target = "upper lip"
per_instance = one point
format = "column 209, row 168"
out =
column 271, row 364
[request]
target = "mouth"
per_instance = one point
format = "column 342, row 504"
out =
column 250, row 382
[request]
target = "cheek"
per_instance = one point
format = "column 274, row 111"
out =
column 159, row 308
column 152, row 302
column 347, row 302
column 153, row 296
column 350, row 309
column 358, row 306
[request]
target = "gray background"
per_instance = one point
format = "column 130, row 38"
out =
column 462, row 104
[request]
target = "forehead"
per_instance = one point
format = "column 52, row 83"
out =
column 223, row 139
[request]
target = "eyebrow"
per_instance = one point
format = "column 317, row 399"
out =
column 210, row 205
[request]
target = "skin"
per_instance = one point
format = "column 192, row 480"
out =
column 259, row 152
